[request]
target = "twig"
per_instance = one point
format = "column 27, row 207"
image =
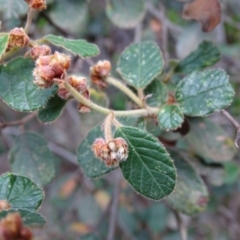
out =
column 181, row 225
column 231, row 119
column 20, row 122
column 138, row 33
column 29, row 19
column 114, row 207
column 83, row 100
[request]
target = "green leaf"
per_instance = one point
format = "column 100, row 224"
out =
column 3, row 43
column 148, row 168
column 30, row 218
column 125, row 13
column 20, row 192
column 72, row 25
column 53, row 109
column 231, row 173
column 140, row 63
column 13, row 8
column 17, row 88
column 209, row 141
column 190, row 195
column 79, row 47
column 202, row 93
column 92, row 166
column 31, row 157
column 170, row 117
column 157, row 92
column 206, row 55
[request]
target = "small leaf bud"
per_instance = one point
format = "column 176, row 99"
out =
column 99, row 71
column 37, row 4
column 38, row 51
column 97, row 145
column 17, row 38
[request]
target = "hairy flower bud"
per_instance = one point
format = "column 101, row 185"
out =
column 17, row 38
column 78, row 82
column 37, row 4
column 111, row 153
column 49, row 68
column 99, row 71
column 38, row 51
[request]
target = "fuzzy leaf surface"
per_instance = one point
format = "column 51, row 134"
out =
column 79, row 47
column 202, row 93
column 210, row 141
column 148, row 168
column 31, row 157
column 206, row 55
column 53, row 109
column 140, row 63
column 3, row 42
column 190, row 195
column 30, row 218
column 92, row 166
column 170, row 117
column 17, row 88
column 20, row 192
column 125, row 13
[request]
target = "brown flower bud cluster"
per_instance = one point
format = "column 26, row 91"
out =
column 99, row 72
column 12, row 228
column 17, row 38
column 80, row 84
column 4, row 205
column 37, row 4
column 113, row 152
column 49, row 68
column 39, row 51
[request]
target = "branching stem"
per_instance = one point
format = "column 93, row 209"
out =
column 29, row 19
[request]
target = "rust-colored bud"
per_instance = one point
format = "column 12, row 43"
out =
column 111, row 153
column 13, row 222
column 49, row 68
column 78, row 82
column 37, row 4
column 97, row 145
column 63, row 92
column 17, row 38
column 38, row 51
column 26, row 234
column 83, row 108
column 4, row 205
column 99, row 71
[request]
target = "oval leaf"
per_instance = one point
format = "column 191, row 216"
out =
column 3, row 43
column 140, row 63
column 30, row 218
column 53, row 109
column 92, row 166
column 148, row 168
column 210, row 142
column 79, row 47
column 125, row 13
column 206, row 55
column 202, row 93
column 31, row 157
column 190, row 195
column 20, row 192
column 17, row 88
column 170, row 117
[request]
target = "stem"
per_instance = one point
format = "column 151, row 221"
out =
column 29, row 19
column 108, row 127
column 231, row 119
column 19, row 122
column 88, row 103
column 181, row 226
column 125, row 90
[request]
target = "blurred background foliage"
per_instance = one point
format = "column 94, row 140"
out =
column 77, row 207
